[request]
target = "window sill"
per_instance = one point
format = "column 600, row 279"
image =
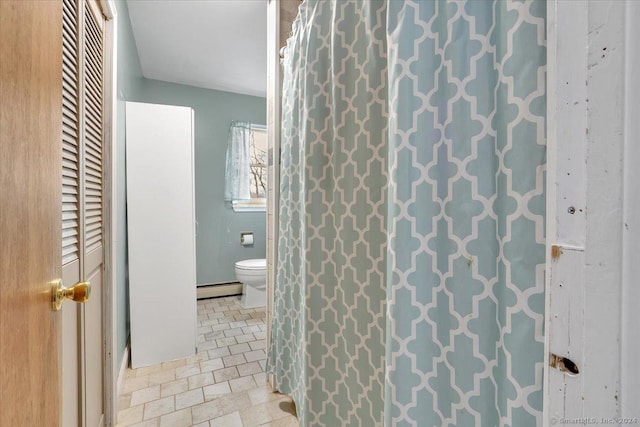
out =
column 250, row 206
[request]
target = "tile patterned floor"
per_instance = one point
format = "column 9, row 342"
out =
column 224, row 385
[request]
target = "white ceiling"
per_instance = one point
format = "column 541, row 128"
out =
column 214, row 44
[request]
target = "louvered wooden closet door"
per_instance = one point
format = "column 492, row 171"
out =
column 82, row 209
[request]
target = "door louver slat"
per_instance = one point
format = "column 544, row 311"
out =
column 93, row 132
column 70, row 124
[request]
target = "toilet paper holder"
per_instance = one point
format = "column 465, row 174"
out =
column 246, row 238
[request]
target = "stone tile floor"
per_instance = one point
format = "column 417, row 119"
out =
column 223, row 385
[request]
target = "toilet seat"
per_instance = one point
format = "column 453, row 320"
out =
column 252, row 264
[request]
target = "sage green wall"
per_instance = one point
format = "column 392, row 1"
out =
column 129, row 87
column 218, row 232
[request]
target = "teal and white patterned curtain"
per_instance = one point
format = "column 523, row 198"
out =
column 410, row 281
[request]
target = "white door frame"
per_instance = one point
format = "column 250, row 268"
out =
column 110, row 361
column 630, row 336
column 593, row 208
column 273, row 150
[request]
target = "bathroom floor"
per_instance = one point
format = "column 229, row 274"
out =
column 223, row 385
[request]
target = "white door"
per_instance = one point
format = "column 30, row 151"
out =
column 82, row 210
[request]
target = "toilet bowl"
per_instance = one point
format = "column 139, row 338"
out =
column 252, row 273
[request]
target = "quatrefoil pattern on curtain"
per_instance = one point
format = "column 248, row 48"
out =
column 410, row 283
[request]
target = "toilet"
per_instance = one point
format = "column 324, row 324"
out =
column 252, row 273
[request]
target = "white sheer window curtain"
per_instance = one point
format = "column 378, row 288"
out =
column 237, row 174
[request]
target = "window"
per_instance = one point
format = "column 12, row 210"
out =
column 257, row 173
column 258, row 163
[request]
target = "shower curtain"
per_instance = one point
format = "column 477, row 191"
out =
column 410, row 273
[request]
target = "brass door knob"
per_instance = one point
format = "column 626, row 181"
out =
column 80, row 292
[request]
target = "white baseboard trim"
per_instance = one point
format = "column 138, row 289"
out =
column 123, row 369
